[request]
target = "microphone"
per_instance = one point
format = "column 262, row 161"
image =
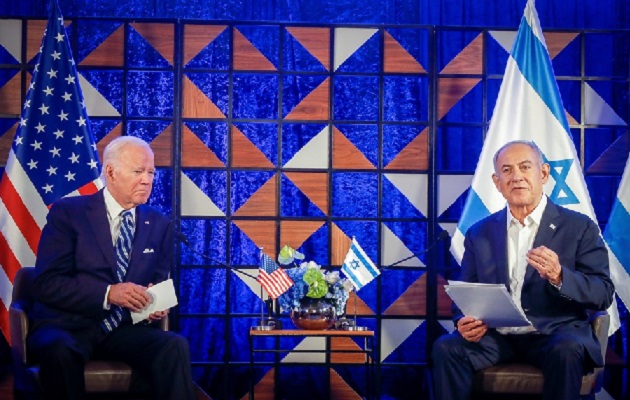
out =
column 184, row 239
column 442, row 236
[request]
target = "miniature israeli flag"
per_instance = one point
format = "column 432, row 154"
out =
column 358, row 267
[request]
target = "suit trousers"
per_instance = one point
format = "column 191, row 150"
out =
column 162, row 357
column 562, row 359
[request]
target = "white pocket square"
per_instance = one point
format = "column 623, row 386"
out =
column 147, row 251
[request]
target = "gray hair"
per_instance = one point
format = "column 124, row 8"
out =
column 114, row 149
column 531, row 144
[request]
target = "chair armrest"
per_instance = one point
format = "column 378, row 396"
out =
column 18, row 322
column 164, row 324
column 600, row 324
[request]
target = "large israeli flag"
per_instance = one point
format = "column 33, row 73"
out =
column 617, row 236
column 529, row 107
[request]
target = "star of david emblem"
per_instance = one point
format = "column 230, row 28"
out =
column 561, row 193
column 354, row 264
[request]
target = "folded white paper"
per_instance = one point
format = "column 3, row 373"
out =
column 490, row 303
column 164, row 297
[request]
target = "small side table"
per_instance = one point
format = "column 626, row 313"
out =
column 367, row 349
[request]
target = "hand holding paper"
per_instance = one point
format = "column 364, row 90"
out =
column 164, row 297
column 490, row 303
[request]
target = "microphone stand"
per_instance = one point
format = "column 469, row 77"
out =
column 265, row 324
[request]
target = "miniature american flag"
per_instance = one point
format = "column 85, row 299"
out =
column 273, row 278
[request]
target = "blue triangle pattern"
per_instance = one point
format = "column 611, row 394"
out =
column 244, row 185
column 6, row 57
column 212, row 134
column 243, row 251
column 366, row 59
column 364, row 137
column 141, row 53
column 295, row 137
column 216, row 55
column 296, row 87
column 297, row 58
column 214, row 86
column 415, row 41
column 146, row 130
column 264, row 136
column 294, row 203
column 412, row 349
column 102, row 127
column 396, row 205
column 316, row 246
column 413, row 234
column 394, row 283
column 455, row 210
column 396, row 138
column 108, row 83
column 265, row 38
column 6, row 124
column 213, row 184
column 91, row 35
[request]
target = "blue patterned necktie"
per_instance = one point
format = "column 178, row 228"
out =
column 123, row 251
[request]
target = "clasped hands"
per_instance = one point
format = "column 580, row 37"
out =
column 134, row 297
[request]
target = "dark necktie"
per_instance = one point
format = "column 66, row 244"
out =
column 123, row 251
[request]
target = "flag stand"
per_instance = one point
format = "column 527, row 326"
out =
column 269, row 322
column 351, row 324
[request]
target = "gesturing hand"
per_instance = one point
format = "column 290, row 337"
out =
column 129, row 295
column 471, row 329
column 546, row 262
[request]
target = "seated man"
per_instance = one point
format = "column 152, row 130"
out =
column 97, row 255
column 555, row 266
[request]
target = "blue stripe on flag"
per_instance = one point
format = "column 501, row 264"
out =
column 474, row 211
column 365, row 261
column 355, row 280
column 529, row 53
column 617, row 233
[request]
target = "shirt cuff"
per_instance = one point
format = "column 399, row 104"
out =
column 105, row 303
column 558, row 286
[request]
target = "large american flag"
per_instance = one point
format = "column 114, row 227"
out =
column 53, row 155
column 272, row 277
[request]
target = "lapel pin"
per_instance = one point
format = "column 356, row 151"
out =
column 552, row 226
column 146, row 222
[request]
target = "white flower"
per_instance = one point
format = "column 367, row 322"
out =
column 332, row 277
column 310, row 264
column 347, row 285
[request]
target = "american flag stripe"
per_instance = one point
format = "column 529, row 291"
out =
column 275, row 283
column 52, row 156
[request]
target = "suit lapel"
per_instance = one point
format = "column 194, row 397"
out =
column 546, row 231
column 97, row 218
column 500, row 250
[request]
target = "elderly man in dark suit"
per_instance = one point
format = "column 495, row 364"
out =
column 97, row 256
column 555, row 266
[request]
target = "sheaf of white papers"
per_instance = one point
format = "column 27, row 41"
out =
column 164, row 297
column 490, row 303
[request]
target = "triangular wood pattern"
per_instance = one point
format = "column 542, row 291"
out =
column 558, row 41
column 10, row 96
column 195, row 103
column 262, row 233
column 452, row 90
column 247, row 56
column 314, row 106
column 110, row 52
column 340, row 243
column 245, row 153
column 314, row 185
column 264, row 389
column 295, row 233
column 346, row 155
column 6, row 141
column 613, row 159
column 345, row 344
column 469, row 60
column 413, row 301
column 195, row 153
column 162, row 147
column 198, row 37
column 414, row 156
column 339, row 389
column 160, row 36
column 398, row 59
column 362, row 308
column 315, row 40
column 113, row 134
column 262, row 203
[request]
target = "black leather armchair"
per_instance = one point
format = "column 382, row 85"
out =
column 100, row 376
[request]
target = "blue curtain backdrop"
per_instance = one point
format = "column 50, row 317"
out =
column 310, row 122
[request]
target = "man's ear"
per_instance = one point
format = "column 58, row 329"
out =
column 495, row 179
column 545, row 170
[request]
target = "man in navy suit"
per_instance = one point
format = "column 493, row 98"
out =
column 77, row 289
column 555, row 266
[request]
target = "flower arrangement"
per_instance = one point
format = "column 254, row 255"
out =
column 312, row 281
